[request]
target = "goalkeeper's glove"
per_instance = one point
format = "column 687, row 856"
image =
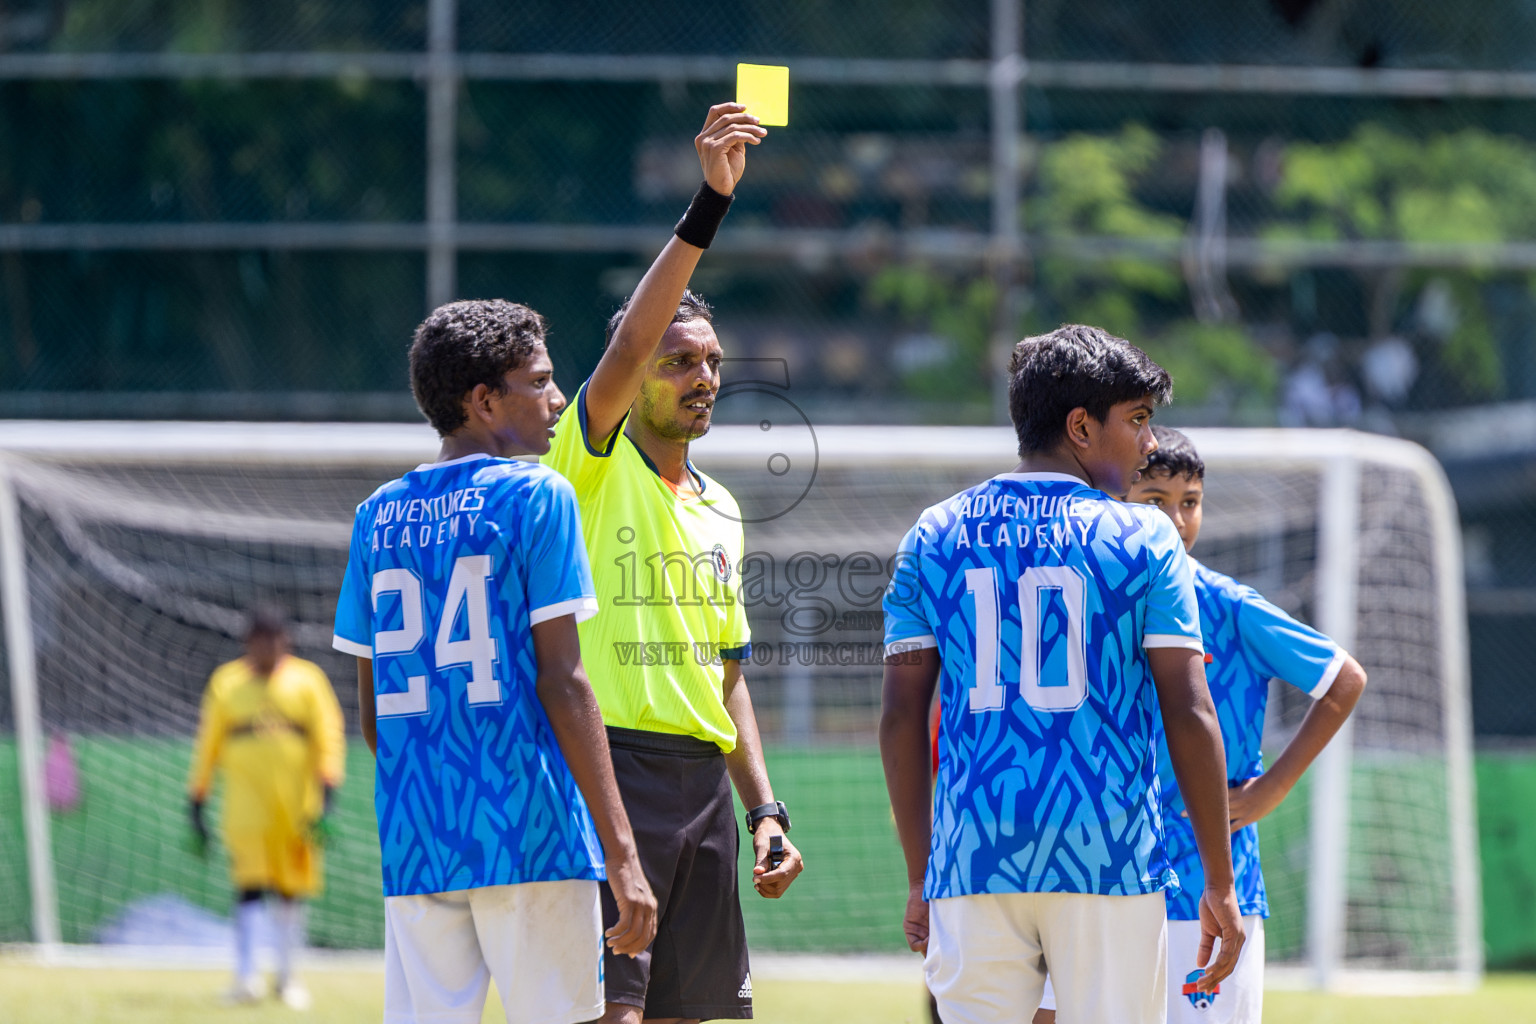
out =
column 321, row 831
column 199, row 829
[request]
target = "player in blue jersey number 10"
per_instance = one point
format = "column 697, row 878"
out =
column 493, row 783
column 1055, row 621
column 1248, row 642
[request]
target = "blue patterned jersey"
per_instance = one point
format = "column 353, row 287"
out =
column 451, row 567
column 1248, row 641
column 1041, row 594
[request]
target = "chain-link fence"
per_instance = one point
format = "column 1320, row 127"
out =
column 1313, row 212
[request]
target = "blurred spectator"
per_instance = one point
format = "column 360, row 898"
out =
column 1315, row 393
column 1389, row 368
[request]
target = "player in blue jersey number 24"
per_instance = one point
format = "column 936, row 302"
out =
column 493, row 784
column 1055, row 620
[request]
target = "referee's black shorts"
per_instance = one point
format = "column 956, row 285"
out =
column 678, row 798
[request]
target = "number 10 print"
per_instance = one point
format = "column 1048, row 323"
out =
column 1053, row 662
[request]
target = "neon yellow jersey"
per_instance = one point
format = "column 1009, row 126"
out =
column 668, row 590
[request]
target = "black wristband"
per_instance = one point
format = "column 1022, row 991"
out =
column 703, row 218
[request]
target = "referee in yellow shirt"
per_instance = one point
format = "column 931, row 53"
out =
column 273, row 728
column 665, row 650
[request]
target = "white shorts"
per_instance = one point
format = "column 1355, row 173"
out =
column 541, row 941
column 987, row 956
column 1238, row 1000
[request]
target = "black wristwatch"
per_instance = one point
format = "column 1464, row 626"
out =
column 775, row 810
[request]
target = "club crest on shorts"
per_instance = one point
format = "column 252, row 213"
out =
column 721, row 562
column 1199, row 1000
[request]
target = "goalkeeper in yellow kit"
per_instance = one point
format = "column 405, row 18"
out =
column 271, row 724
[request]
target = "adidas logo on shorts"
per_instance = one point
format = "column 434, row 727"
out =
column 745, row 992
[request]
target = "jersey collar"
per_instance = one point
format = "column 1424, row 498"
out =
column 429, row 466
column 698, row 477
column 1055, row 478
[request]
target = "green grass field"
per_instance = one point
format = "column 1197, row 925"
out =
column 129, row 840
column 34, row 995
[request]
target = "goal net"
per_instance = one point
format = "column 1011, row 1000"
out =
column 131, row 552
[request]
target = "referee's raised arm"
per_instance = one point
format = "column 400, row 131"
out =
column 722, row 147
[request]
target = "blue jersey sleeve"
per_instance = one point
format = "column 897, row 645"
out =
column 906, row 625
column 1278, row 646
column 1173, row 612
column 354, row 609
column 559, row 575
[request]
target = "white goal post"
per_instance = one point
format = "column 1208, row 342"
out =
column 1356, row 533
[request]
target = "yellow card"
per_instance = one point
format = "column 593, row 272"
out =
column 764, row 90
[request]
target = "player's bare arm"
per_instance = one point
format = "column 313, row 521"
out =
column 906, row 695
column 722, row 147
column 367, row 717
column 1254, row 798
column 1200, row 763
column 567, row 699
column 749, row 774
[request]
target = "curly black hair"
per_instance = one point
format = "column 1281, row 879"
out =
column 690, row 307
column 466, row 343
column 1051, row 374
column 1175, row 455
